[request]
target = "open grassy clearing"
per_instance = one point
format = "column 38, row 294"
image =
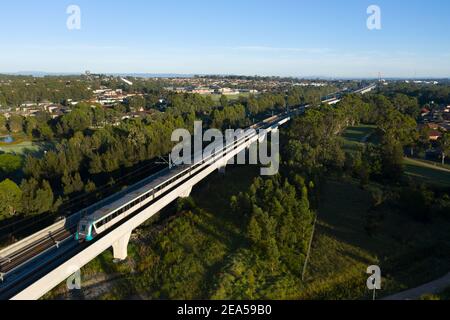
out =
column 359, row 133
column 354, row 138
column 231, row 98
column 422, row 171
column 409, row 253
column 427, row 173
column 25, row 147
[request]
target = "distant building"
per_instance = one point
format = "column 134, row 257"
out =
column 434, row 135
column 28, row 104
column 424, row 112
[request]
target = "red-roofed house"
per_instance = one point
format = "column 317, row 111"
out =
column 434, row 135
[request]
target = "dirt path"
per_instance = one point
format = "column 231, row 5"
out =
column 433, row 287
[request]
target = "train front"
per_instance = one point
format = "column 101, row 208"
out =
column 84, row 231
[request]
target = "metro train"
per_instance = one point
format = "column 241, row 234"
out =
column 101, row 220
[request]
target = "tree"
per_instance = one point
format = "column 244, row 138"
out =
column 423, row 141
column 444, row 145
column 37, row 197
column 15, row 124
column 406, row 105
column 254, row 231
column 44, row 132
column 10, row 198
column 272, row 252
column 78, row 120
column 71, row 183
column 135, row 103
column 9, row 163
column 223, row 101
column 392, row 158
column 3, row 125
column 30, row 126
column 90, row 187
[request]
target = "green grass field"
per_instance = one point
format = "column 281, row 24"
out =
column 25, row 147
column 231, row 98
column 427, row 173
column 19, row 148
column 409, row 253
column 354, row 138
column 360, row 133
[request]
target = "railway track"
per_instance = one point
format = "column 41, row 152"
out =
column 14, row 261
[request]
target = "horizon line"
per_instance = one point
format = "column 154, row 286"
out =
column 175, row 74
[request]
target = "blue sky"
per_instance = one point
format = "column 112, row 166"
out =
column 277, row 37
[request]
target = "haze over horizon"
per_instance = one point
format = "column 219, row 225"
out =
column 287, row 38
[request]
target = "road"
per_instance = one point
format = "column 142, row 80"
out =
column 433, row 287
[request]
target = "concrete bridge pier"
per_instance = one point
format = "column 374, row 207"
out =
column 262, row 137
column 120, row 247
